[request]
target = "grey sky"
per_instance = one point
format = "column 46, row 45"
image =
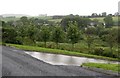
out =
column 58, row 7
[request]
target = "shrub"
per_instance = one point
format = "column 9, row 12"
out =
column 27, row 41
column 9, row 35
column 98, row 51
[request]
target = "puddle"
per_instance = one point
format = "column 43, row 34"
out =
column 57, row 59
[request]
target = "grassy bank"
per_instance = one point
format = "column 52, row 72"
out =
column 0, row 43
column 113, row 67
column 57, row 51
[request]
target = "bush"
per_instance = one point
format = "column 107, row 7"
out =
column 98, row 51
column 9, row 35
column 106, row 52
column 4, row 44
column 27, row 41
column 51, row 45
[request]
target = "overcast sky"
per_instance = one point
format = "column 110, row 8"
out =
column 58, row 7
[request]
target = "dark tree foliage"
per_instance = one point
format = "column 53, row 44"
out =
column 57, row 35
column 24, row 20
column 73, row 34
column 108, row 21
column 111, row 38
column 9, row 35
column 81, row 21
column 90, row 33
column 45, row 34
column 3, row 23
column 32, row 33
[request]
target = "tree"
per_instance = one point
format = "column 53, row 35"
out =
column 110, row 15
column 118, row 37
column 22, row 30
column 32, row 33
column 90, row 31
column 24, row 20
column 94, row 15
column 118, row 21
column 73, row 34
column 99, row 29
column 3, row 23
column 111, row 38
column 90, row 36
column 89, row 39
column 9, row 35
column 116, row 14
column 104, row 14
column 95, row 22
column 108, row 21
column 81, row 21
column 45, row 34
column 57, row 35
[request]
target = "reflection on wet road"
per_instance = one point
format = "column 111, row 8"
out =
column 57, row 59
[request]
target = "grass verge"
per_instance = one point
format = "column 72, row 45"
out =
column 0, row 43
column 113, row 67
column 57, row 51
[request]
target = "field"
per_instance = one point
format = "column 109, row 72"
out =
column 113, row 67
column 115, row 19
column 17, row 18
column 55, row 20
column 9, row 19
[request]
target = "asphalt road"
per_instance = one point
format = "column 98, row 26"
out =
column 17, row 63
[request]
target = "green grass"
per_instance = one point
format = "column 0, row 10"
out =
column 81, row 47
column 0, row 43
column 44, row 17
column 99, row 18
column 115, row 19
column 57, row 51
column 115, row 27
column 113, row 67
column 56, row 20
column 9, row 19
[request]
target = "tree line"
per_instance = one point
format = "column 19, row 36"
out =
column 72, row 29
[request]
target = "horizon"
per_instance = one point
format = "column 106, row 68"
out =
column 50, row 15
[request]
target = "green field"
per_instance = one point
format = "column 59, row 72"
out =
column 9, row 19
column 17, row 18
column 113, row 67
column 44, row 17
column 115, row 19
column 55, row 20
